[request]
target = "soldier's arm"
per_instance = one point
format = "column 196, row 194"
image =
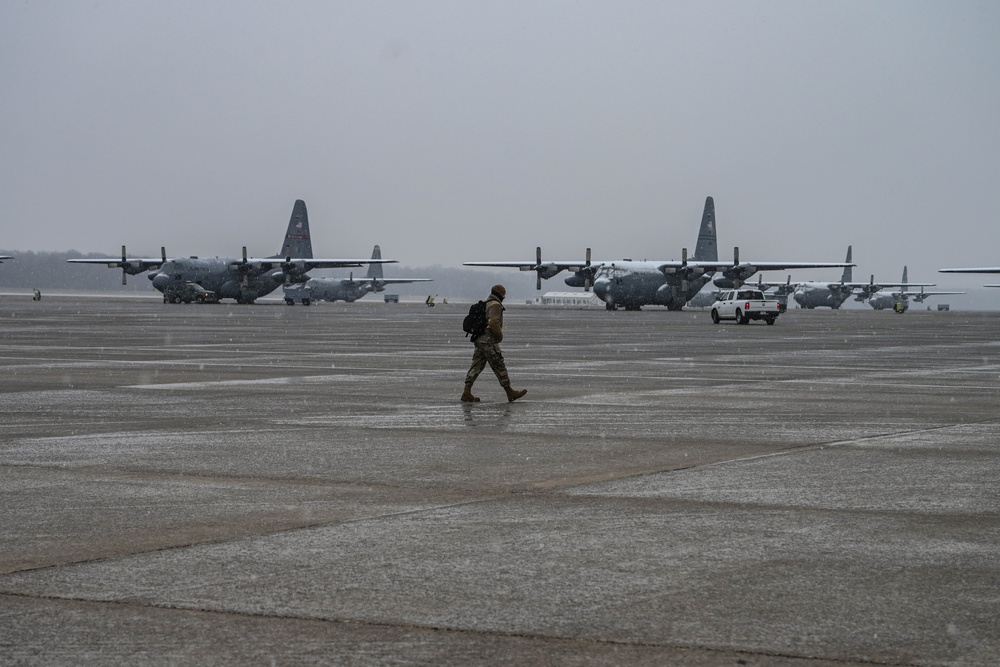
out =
column 494, row 320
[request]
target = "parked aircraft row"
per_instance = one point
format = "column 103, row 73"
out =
column 246, row 279
column 622, row 283
column 817, row 294
column 632, row 284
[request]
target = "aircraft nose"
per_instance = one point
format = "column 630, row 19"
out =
column 160, row 281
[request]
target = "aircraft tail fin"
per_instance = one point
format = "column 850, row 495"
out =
column 375, row 270
column 298, row 243
column 706, row 249
column 848, row 273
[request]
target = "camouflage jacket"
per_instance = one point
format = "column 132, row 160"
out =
column 494, row 319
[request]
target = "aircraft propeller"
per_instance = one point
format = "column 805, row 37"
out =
column 538, row 267
column 737, row 279
column 242, row 266
column 588, row 278
column 546, row 270
column 134, row 267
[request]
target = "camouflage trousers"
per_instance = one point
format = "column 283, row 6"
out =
column 487, row 352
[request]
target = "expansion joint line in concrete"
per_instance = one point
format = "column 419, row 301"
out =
column 458, row 631
column 797, row 449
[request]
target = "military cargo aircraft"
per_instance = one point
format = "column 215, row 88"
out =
column 899, row 300
column 816, row 294
column 243, row 279
column 336, row 289
column 672, row 283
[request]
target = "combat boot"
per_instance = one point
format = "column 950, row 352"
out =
column 467, row 395
column 514, row 394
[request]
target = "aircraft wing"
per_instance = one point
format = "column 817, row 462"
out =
column 784, row 266
column 554, row 267
column 753, row 267
column 384, row 281
column 3, row 257
column 987, row 269
column 304, row 264
column 130, row 265
column 585, row 269
column 841, row 285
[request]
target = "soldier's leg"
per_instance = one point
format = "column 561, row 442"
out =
column 499, row 366
column 495, row 358
column 479, row 361
column 478, row 364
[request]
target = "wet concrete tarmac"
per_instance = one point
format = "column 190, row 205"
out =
column 229, row 484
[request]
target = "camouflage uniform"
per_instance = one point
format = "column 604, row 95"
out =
column 488, row 349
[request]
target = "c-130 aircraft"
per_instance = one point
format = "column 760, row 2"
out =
column 349, row 290
column 672, row 283
column 243, row 279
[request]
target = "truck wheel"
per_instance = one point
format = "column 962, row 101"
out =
column 715, row 316
column 290, row 302
column 769, row 320
column 739, row 317
column 306, row 302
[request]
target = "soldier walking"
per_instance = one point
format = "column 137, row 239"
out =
column 488, row 349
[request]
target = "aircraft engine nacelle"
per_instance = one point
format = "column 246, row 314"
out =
column 548, row 270
column 666, row 294
column 723, row 281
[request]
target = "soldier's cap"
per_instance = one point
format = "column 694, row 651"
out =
column 499, row 290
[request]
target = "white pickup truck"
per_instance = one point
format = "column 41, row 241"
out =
column 744, row 305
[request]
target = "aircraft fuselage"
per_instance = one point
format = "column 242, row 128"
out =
column 631, row 285
column 819, row 295
column 218, row 275
column 327, row 289
column 888, row 300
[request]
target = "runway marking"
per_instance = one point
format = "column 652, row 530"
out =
column 310, row 379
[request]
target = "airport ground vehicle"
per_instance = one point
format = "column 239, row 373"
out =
column 188, row 292
column 743, row 305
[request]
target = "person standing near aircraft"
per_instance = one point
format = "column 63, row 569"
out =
column 488, row 349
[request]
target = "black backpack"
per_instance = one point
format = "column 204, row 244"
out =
column 474, row 323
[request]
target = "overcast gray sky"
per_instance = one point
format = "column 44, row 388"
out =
column 458, row 131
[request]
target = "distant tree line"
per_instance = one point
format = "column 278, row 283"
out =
column 51, row 271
